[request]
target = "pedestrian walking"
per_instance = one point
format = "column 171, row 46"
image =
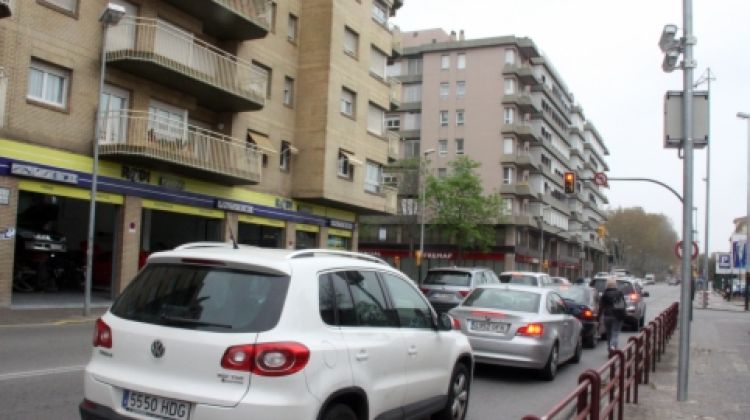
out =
column 612, row 304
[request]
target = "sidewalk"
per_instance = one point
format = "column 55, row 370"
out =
column 718, row 374
column 46, row 316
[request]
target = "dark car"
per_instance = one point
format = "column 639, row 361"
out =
column 635, row 305
column 583, row 303
column 446, row 287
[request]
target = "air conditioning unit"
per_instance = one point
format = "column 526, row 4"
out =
column 4, row 8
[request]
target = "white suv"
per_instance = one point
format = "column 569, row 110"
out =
column 526, row 278
column 216, row 331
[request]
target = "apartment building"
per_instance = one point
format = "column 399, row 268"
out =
column 502, row 103
column 257, row 120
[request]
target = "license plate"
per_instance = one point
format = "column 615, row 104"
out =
column 486, row 326
column 151, row 405
column 442, row 295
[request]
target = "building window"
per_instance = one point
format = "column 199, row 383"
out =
column 412, row 121
column 460, row 89
column 461, row 61
column 48, row 84
column 373, row 177
column 393, row 122
column 443, row 118
column 459, row 146
column 508, row 114
column 66, row 6
column 508, row 206
column 442, row 172
column 380, row 12
column 351, row 42
column 443, row 147
column 288, row 91
column 508, row 146
column 113, row 116
column 266, row 74
column 376, row 120
column 411, row 148
column 345, row 162
column 348, row 102
column 166, row 123
column 285, row 155
column 414, row 66
column 413, row 92
column 291, row 29
column 508, row 175
column 445, row 89
column 510, row 86
column 378, row 62
column 510, row 56
column 445, row 62
column 459, row 117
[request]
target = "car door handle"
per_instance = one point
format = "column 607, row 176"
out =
column 413, row 351
column 362, row 356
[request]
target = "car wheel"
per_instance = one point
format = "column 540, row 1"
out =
column 642, row 321
column 340, row 412
column 579, row 351
column 590, row 340
column 458, row 395
column 550, row 369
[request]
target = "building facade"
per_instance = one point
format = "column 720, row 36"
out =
column 257, row 120
column 500, row 102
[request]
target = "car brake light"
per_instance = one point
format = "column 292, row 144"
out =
column 634, row 296
column 267, row 359
column 102, row 334
column 456, row 324
column 587, row 313
column 531, row 330
column 463, row 293
column 424, row 290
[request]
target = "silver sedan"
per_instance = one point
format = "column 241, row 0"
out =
column 520, row 326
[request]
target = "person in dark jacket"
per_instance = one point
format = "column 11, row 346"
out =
column 612, row 307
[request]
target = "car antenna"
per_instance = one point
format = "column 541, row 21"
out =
column 234, row 241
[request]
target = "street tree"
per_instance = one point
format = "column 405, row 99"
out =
column 457, row 206
column 642, row 242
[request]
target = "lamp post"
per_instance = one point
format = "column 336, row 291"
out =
column 422, row 200
column 540, row 222
column 707, row 78
column 746, row 116
column 110, row 16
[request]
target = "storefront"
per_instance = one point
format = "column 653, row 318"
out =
column 306, row 236
column 167, row 225
column 260, row 231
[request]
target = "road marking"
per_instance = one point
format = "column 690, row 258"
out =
column 40, row 372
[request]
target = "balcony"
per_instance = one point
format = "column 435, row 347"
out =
column 238, row 20
column 521, row 131
column 394, row 144
column 395, row 97
column 4, row 8
column 523, row 190
column 164, row 54
column 524, row 74
column 522, row 101
column 520, row 159
column 138, row 137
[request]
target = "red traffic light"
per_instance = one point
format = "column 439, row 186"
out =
column 570, row 182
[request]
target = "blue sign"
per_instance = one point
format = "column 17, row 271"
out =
column 738, row 254
column 724, row 261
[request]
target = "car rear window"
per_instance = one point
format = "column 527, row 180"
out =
column 576, row 294
column 448, row 278
column 599, row 284
column 625, row 287
column 519, row 279
column 507, row 300
column 203, row 298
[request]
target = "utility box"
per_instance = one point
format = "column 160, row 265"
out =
column 673, row 134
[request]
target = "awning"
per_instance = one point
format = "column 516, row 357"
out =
column 352, row 159
column 263, row 142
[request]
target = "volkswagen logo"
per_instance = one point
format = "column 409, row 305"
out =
column 157, row 348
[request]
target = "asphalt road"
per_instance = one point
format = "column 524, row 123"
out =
column 41, row 369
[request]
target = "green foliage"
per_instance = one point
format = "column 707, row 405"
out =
column 457, row 206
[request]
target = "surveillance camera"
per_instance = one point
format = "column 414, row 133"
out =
column 667, row 41
column 670, row 61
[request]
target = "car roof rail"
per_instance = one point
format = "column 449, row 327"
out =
column 198, row 245
column 304, row 253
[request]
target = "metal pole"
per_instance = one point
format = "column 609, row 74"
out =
column 94, row 179
column 747, row 222
column 421, row 204
column 541, row 242
column 687, row 219
column 709, row 77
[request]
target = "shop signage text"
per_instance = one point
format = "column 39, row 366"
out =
column 341, row 224
column 235, row 206
column 22, row 169
column 141, row 176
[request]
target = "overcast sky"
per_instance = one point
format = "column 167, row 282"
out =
column 606, row 52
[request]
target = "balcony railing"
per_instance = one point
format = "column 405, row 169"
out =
column 524, row 73
column 239, row 20
column 141, row 137
column 161, row 52
column 394, row 144
column 395, row 97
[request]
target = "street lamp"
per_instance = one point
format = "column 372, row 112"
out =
column 707, row 78
column 746, row 116
column 110, row 17
column 422, row 199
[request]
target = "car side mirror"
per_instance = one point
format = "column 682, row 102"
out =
column 445, row 322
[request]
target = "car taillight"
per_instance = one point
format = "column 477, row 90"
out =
column 634, row 297
column 463, row 293
column 102, row 335
column 267, row 359
column 531, row 330
column 587, row 313
column 424, row 290
column 456, row 324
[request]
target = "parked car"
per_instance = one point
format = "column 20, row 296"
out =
column 216, row 331
column 584, row 304
column 635, row 305
column 649, row 279
column 559, row 280
column 673, row 281
column 520, row 326
column 446, row 287
column 528, row 278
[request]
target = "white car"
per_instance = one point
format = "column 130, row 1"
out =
column 527, row 278
column 219, row 331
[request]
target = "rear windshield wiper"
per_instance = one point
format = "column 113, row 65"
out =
column 176, row 320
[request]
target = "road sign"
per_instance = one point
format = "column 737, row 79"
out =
column 678, row 250
column 738, row 252
column 600, row 179
column 723, row 263
column 673, row 135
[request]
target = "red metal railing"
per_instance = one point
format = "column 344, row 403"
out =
column 602, row 393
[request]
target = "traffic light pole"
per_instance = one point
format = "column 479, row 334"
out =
column 651, row 180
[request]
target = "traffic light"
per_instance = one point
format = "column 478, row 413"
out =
column 601, row 231
column 570, row 182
